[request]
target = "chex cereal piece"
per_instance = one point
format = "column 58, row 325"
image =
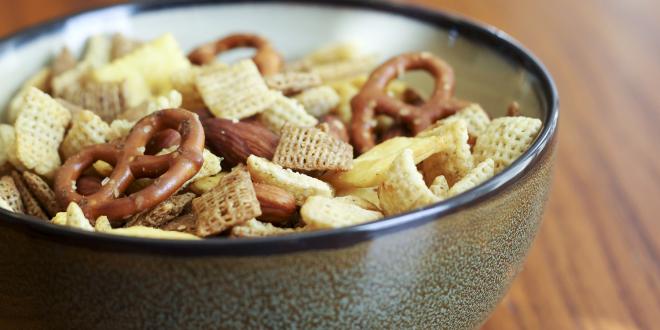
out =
column 309, row 148
column 300, row 185
column 256, row 228
column 10, row 194
column 4, row 205
column 73, row 217
column 231, row 203
column 293, row 82
column 102, row 168
column 97, row 50
column 7, row 137
column 211, row 166
column 40, row 80
column 358, row 201
column 285, row 110
column 119, row 128
column 64, row 61
column 39, row 131
column 321, row 212
column 170, row 100
column 480, row 173
column 86, row 129
column 327, row 54
column 73, row 108
column 345, row 69
column 29, row 202
column 455, row 159
column 476, row 118
column 236, row 92
column 42, row 192
column 346, row 90
column 163, row 212
column 369, row 194
column 106, row 99
column 184, row 81
column 70, row 78
column 440, row 187
column 121, row 45
column 505, row 139
column 103, row 226
column 203, row 185
column 186, row 223
column 318, row 101
column 404, row 188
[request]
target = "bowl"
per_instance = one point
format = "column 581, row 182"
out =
column 444, row 266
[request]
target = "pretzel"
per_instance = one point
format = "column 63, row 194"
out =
column 267, row 59
column 373, row 99
column 171, row 170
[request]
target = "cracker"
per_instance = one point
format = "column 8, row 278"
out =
column 321, row 212
column 480, row 173
column 404, row 188
column 73, row 217
column 97, row 50
column 40, row 80
column 235, row 92
column 163, row 212
column 106, row 99
column 476, row 118
column 300, row 185
column 39, row 131
column 86, row 129
column 64, row 61
column 285, row 110
column 10, row 194
column 505, row 139
column 42, row 192
column 256, row 228
column 170, row 100
column 318, row 101
column 293, row 82
column 103, row 226
column 440, row 187
column 309, row 148
column 455, row 159
column 121, row 46
column 334, row 71
column 232, row 202
column 29, row 202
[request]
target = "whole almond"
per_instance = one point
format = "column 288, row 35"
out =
column 88, row 184
column 162, row 140
column 236, row 141
column 335, row 126
column 277, row 204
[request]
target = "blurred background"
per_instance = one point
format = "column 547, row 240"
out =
column 596, row 262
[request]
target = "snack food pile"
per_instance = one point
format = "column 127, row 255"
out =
column 135, row 138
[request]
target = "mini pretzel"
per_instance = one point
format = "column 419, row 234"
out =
column 373, row 99
column 171, row 170
column 267, row 59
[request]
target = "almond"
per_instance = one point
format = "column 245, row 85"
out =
column 277, row 204
column 88, row 184
column 163, row 140
column 335, row 127
column 236, row 141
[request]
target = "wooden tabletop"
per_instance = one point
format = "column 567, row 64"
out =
column 596, row 262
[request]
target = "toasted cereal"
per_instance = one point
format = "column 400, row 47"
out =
column 106, row 99
column 163, row 212
column 454, row 160
column 103, row 226
column 10, row 194
column 184, row 81
column 232, row 202
column 334, row 71
column 235, row 92
column 210, row 167
column 39, row 131
column 70, row 78
column 300, row 185
column 170, row 100
column 119, row 128
column 328, row 54
column 203, row 185
column 64, row 61
column 505, row 139
column 318, row 101
column 73, row 217
column 309, row 148
column 29, row 202
column 86, row 129
column 73, row 108
column 102, row 168
column 42, row 192
column 186, row 223
column 285, row 110
column 440, row 187
column 480, row 173
column 358, row 201
column 404, row 188
column 346, row 90
column 256, row 228
column 320, row 212
column 476, row 118
column 369, row 194
column 97, row 50
column 293, row 82
column 121, row 46
column 4, row 205
column 7, row 137
column 39, row 80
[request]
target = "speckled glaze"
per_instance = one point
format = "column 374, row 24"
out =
column 443, row 267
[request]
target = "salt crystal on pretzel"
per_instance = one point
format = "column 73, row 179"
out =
column 345, row 69
column 39, row 131
column 256, row 228
column 327, row 54
column 64, row 61
column 40, row 80
column 10, row 194
column 86, row 129
column 106, row 99
column 480, row 173
column 454, row 160
column 285, row 110
column 309, row 148
column 320, row 212
column 300, row 185
column 29, row 202
column 97, row 50
column 73, row 217
column 163, row 212
column 42, row 192
column 476, row 118
column 505, row 139
column 232, row 202
column 318, row 101
column 103, row 226
column 440, row 187
column 236, row 92
column 404, row 188
column 121, row 46
column 293, row 82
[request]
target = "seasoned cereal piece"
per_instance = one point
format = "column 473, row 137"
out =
column 285, row 110
column 505, row 139
column 39, row 80
column 404, row 188
column 71, row 78
column 184, row 81
column 106, row 99
column 334, row 71
column 231, row 203
column 103, row 226
column 29, row 202
column 73, row 217
column 4, row 205
column 10, row 194
column 163, row 212
column 186, row 223
column 97, row 50
column 318, row 101
column 476, row 118
column 454, row 160
column 121, row 46
column 369, row 194
column 210, row 167
column 170, row 100
column 327, row 54
column 64, row 61
column 440, row 187
column 308, row 148
column 320, row 212
column 119, row 128
column 293, row 82
column 358, row 201
column 480, row 173
column 86, row 129
column 256, row 228
column 300, row 185
column 42, row 192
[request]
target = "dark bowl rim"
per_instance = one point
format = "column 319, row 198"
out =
column 489, row 36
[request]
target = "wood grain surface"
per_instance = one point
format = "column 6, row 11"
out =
column 596, row 262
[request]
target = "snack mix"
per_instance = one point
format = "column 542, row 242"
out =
column 137, row 139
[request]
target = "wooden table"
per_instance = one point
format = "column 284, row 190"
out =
column 596, row 262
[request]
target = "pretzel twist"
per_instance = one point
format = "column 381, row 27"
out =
column 373, row 98
column 267, row 59
column 170, row 170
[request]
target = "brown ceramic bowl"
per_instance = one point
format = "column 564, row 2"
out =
column 444, row 266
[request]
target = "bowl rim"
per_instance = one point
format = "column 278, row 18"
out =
column 481, row 33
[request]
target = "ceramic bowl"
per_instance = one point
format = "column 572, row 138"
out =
column 444, row 266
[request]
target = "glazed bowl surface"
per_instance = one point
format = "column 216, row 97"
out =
column 444, row 266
